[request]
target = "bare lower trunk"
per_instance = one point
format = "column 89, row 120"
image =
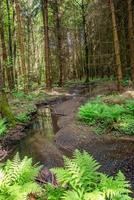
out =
column 46, row 44
column 85, row 43
column 116, row 46
column 12, row 84
column 59, row 40
column 20, row 35
column 131, row 38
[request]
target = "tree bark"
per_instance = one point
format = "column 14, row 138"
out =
column 116, row 46
column 46, row 44
column 5, row 71
column 59, row 40
column 12, row 84
column 20, row 35
column 86, row 49
column 131, row 38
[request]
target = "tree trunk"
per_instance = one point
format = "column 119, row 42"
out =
column 46, row 44
column 20, row 35
column 57, row 16
column 28, row 51
column 131, row 38
column 86, row 49
column 116, row 46
column 5, row 71
column 12, row 84
column 5, row 109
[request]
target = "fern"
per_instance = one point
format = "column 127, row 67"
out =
column 80, row 180
column 3, row 127
column 17, row 179
column 104, row 117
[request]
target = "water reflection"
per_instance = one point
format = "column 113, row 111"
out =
column 39, row 141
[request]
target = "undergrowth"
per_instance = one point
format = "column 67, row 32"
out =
column 23, row 117
column 105, row 117
column 81, row 180
column 17, row 179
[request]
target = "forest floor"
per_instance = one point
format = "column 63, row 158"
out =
column 114, row 153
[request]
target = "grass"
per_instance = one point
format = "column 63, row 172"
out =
column 105, row 117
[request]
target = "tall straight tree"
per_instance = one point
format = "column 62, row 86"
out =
column 116, row 46
column 46, row 44
column 4, row 48
column 131, row 37
column 83, row 6
column 57, row 16
column 20, row 36
column 5, row 110
column 12, row 84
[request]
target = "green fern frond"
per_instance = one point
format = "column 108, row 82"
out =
column 62, row 176
column 114, row 187
column 95, row 195
column 80, row 180
column 54, row 193
column 17, row 179
column 69, row 195
column 88, row 166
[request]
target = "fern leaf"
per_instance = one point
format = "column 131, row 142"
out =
column 95, row 195
column 69, row 195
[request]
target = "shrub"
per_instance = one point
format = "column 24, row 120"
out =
column 17, row 179
column 3, row 127
column 80, row 180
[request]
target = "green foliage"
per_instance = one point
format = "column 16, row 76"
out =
column 23, row 117
column 22, row 95
column 19, row 94
column 126, row 125
column 105, row 117
column 99, row 111
column 3, row 127
column 17, row 179
column 80, row 180
column 129, row 104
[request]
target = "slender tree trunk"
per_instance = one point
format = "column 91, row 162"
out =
column 4, row 106
column 46, row 44
column 28, row 50
column 5, row 71
column 5, row 109
column 59, row 40
column 116, row 46
column 10, row 47
column 20, row 35
column 131, row 37
column 85, row 42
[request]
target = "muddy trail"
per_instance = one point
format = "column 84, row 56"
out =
column 55, row 132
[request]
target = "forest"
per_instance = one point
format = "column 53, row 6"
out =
column 66, row 99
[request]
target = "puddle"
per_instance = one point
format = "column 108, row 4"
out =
column 39, row 142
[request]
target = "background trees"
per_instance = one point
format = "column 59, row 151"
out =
column 82, row 39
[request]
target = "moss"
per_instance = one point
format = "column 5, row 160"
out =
column 5, row 109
